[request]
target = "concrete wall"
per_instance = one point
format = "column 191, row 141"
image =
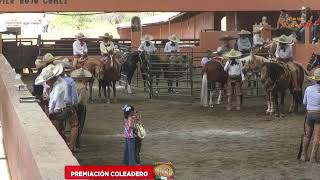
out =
column 210, row 39
column 187, row 29
column 34, row 148
column 302, row 52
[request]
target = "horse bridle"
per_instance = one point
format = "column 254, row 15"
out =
column 316, row 61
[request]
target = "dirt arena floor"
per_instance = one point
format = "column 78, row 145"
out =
column 202, row 143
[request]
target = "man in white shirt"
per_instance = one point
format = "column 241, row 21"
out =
column 173, row 45
column 206, row 58
column 106, row 45
column 257, row 39
column 244, row 44
column 147, row 45
column 284, row 53
column 80, row 49
column 57, row 106
column 235, row 77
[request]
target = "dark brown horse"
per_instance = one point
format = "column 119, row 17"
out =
column 109, row 76
column 213, row 73
column 313, row 62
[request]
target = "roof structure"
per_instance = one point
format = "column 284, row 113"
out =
column 157, row 5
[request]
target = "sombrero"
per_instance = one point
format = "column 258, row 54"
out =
column 316, row 75
column 227, row 38
column 283, row 39
column 65, row 63
column 257, row 29
column 48, row 73
column 81, row 74
column 244, row 32
column 147, row 37
column 174, row 38
column 105, row 36
column 46, row 59
column 233, row 54
column 80, row 35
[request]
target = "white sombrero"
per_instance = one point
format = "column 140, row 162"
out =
column 48, row 73
column 65, row 63
column 316, row 75
column 81, row 74
column 46, row 59
column 283, row 39
column 80, row 35
column 257, row 29
column 244, row 32
column 233, row 54
column 147, row 37
column 105, row 36
column 174, row 38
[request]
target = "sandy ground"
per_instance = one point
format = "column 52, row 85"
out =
column 202, row 143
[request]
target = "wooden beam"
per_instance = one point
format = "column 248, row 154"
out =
column 1, row 43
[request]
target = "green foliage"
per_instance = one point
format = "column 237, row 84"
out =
column 79, row 22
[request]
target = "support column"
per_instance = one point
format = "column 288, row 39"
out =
column 0, row 43
column 232, row 21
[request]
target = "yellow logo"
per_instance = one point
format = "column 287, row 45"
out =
column 164, row 169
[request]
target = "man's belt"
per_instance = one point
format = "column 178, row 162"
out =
column 59, row 110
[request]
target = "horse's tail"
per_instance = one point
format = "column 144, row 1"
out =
column 204, row 90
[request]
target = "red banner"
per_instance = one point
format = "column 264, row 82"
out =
column 109, row 172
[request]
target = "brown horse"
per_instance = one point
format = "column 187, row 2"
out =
column 110, row 74
column 213, row 72
column 276, row 79
column 94, row 65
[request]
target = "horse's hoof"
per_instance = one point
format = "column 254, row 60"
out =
column 282, row 115
column 211, row 105
column 205, row 105
column 276, row 115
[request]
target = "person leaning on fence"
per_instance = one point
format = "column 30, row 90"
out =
column 37, row 90
column 225, row 47
column 130, row 119
column 173, row 45
column 57, row 107
column 257, row 39
column 81, row 76
column 71, row 100
column 235, row 77
column 147, row 45
column 80, row 49
column 243, row 43
column 312, row 123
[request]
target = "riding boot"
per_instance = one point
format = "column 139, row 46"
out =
column 238, row 103
column 229, row 103
column 315, row 147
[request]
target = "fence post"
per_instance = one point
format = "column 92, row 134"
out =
column 191, row 73
column 39, row 44
column 1, row 43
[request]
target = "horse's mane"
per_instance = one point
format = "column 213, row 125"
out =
column 274, row 70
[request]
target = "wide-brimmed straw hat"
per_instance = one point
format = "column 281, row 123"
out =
column 232, row 54
column 174, row 38
column 105, row 36
column 46, row 59
column 80, row 35
column 316, row 75
column 147, row 37
column 48, row 73
column 283, row 39
column 227, row 38
column 257, row 29
column 65, row 63
column 244, row 32
column 81, row 74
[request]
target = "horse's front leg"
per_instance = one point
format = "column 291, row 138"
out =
column 90, row 90
column 283, row 94
column 114, row 92
column 100, row 84
column 277, row 107
column 108, row 97
column 293, row 102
